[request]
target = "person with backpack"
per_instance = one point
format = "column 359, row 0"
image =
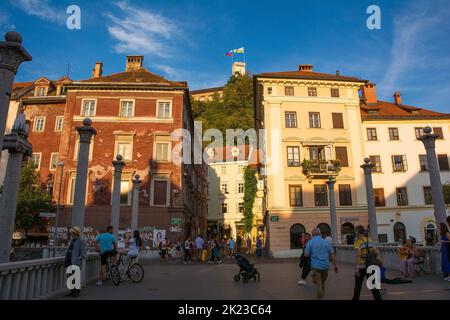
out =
column 366, row 255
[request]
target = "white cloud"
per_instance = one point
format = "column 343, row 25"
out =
column 141, row 31
column 41, row 9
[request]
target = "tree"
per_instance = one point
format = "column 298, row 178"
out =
column 250, row 190
column 31, row 200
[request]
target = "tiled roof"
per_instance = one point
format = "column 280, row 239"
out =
column 309, row 75
column 20, row 89
column 383, row 110
column 135, row 77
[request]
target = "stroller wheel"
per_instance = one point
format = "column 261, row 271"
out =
column 237, row 277
column 245, row 280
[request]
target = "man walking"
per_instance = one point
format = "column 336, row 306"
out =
column 76, row 254
column 231, row 245
column 108, row 248
column 319, row 251
column 199, row 244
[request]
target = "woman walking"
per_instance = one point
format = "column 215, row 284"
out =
column 187, row 251
column 76, row 254
column 445, row 251
column 215, row 252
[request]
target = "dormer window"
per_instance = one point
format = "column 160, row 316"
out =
column 41, row 91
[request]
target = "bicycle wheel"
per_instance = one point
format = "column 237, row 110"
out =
column 136, row 273
column 114, row 273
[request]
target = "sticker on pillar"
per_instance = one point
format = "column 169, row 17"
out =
column 274, row 218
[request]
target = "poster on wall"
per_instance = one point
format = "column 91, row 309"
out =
column 158, row 236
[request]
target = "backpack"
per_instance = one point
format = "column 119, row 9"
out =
column 371, row 258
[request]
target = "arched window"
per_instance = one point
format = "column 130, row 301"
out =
column 399, row 232
column 296, row 234
column 348, row 232
column 324, row 228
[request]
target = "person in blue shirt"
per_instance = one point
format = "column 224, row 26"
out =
column 320, row 252
column 108, row 248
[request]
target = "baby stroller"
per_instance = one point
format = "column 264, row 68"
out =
column 246, row 270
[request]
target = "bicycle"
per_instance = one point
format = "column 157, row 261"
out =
column 134, row 270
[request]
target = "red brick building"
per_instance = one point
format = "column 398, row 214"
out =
column 134, row 113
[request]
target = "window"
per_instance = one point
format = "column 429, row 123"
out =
column 53, row 161
column 269, row 90
column 379, row 197
column 419, row 132
column 164, row 110
column 312, row 92
column 59, row 124
column 291, row 119
column 383, row 238
column 438, row 131
column 296, row 233
column 334, row 92
column 342, row 156
column 162, row 151
column 314, row 120
column 36, row 160
column 293, row 156
column 240, row 187
column 399, row 163
column 423, row 162
column 224, row 170
column 127, row 109
column 240, row 207
column 345, row 194
column 402, row 196
column 224, row 208
column 72, row 183
column 376, row 160
column 41, row 91
column 427, row 195
column 124, row 149
column 320, row 195
column 338, row 120
column 39, row 124
column 88, row 108
column 77, row 148
column 224, row 188
column 289, row 91
column 372, row 134
column 393, row 134
column 443, row 162
column 295, row 196
column 160, row 195
column 399, row 232
column 125, row 190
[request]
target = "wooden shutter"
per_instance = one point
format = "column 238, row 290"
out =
column 438, row 131
column 338, row 120
column 160, row 193
column 443, row 162
column 341, row 155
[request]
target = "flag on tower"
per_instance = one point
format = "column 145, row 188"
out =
column 240, row 50
column 229, row 53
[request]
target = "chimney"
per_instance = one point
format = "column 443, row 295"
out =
column 369, row 93
column 398, row 98
column 305, row 67
column 134, row 63
column 98, row 70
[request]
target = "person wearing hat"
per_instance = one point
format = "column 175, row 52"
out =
column 75, row 254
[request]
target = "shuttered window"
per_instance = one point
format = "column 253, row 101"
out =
column 338, row 120
column 345, row 195
column 438, row 131
column 443, row 162
column 341, row 155
column 379, row 197
column 160, row 193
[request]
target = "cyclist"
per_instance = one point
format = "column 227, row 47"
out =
column 108, row 248
column 134, row 244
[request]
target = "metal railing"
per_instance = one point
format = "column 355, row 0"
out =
column 41, row 279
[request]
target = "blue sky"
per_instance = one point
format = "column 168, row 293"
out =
column 187, row 39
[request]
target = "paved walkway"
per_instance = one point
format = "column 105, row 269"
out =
column 175, row 281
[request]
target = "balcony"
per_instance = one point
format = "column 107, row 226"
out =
column 320, row 169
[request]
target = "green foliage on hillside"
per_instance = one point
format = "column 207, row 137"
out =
column 233, row 111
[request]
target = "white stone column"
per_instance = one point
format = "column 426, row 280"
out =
column 373, row 227
column 79, row 204
column 17, row 145
column 429, row 142
column 12, row 54
column 135, row 206
column 334, row 229
column 115, row 210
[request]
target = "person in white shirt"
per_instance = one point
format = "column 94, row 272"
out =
column 199, row 243
column 134, row 244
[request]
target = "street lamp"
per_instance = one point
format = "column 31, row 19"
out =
column 61, row 165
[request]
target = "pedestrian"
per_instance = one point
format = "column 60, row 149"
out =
column 238, row 244
column 231, row 245
column 215, row 252
column 134, row 244
column 258, row 247
column 192, row 250
column 328, row 238
column 187, row 250
column 305, row 262
column 320, row 253
column 366, row 255
column 164, row 244
column 75, row 255
column 249, row 245
column 199, row 244
column 107, row 244
column 445, row 251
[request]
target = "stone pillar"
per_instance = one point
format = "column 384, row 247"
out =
column 79, row 203
column 334, row 229
column 17, row 145
column 135, row 207
column 429, row 141
column 12, row 54
column 115, row 210
column 373, row 228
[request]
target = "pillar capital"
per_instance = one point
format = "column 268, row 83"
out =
column 428, row 139
column 137, row 180
column 118, row 163
column 86, row 131
column 331, row 182
column 367, row 166
column 12, row 54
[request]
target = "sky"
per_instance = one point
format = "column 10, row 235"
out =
column 187, row 39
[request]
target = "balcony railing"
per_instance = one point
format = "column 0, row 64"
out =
column 321, row 169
